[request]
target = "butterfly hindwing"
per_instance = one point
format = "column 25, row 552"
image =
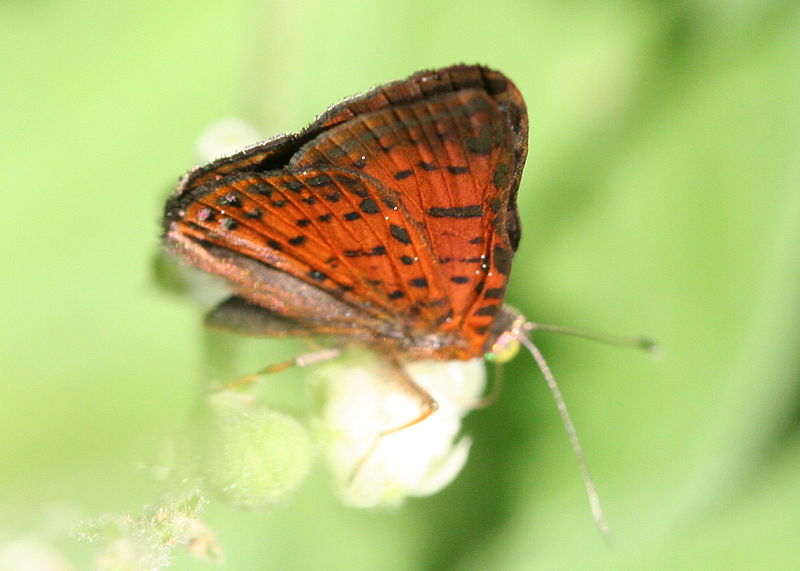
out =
column 241, row 316
column 451, row 160
column 276, row 152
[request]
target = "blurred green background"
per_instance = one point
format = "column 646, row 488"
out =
column 661, row 196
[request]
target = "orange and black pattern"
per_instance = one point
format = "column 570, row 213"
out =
column 391, row 220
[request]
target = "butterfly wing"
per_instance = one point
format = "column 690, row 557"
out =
column 241, row 316
column 399, row 205
column 450, row 158
column 275, row 153
column 323, row 247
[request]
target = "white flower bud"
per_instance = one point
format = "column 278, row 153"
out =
column 359, row 395
column 255, row 456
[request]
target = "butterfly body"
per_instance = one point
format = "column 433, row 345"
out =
column 390, row 221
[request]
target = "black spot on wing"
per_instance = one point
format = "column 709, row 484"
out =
column 205, row 214
column 495, row 293
column 502, row 259
column 488, row 310
column 293, row 185
column 369, row 206
column 477, row 104
column 319, row 180
column 357, row 253
column 264, row 189
column 228, row 224
column 472, row 211
column 496, row 85
column 400, row 234
column 230, row 199
column 317, row 275
column 353, row 185
column 480, row 145
column 501, row 175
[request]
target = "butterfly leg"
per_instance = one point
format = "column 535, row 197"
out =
column 497, row 387
column 405, row 383
column 300, row 361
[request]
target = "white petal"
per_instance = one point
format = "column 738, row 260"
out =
column 359, row 397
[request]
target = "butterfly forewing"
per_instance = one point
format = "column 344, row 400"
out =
column 338, row 231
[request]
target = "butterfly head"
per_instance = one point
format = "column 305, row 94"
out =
column 509, row 326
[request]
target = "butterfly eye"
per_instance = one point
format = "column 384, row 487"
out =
column 504, row 349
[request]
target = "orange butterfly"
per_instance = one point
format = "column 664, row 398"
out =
column 390, row 222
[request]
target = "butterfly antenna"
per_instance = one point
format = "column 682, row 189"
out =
column 637, row 342
column 577, row 449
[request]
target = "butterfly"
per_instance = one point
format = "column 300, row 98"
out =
column 389, row 222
